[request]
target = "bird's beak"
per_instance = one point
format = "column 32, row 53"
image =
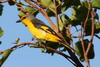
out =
column 18, row 21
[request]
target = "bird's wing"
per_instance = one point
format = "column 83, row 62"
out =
column 45, row 28
column 42, row 26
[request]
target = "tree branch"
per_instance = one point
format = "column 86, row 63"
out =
column 1, row 1
column 56, row 14
column 43, row 46
column 92, row 33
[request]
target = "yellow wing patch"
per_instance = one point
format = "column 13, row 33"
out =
column 47, row 29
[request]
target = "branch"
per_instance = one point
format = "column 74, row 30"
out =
column 43, row 46
column 20, row 7
column 56, row 14
column 97, row 36
column 92, row 33
column 87, row 50
column 1, row 1
column 89, row 8
column 60, row 3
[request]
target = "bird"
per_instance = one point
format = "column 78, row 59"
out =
column 40, row 30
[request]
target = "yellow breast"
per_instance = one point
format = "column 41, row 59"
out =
column 40, row 33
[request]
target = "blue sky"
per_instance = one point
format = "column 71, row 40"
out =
column 29, row 57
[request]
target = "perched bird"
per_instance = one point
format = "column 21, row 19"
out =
column 41, row 30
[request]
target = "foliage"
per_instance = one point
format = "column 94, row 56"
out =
column 81, row 53
column 84, row 14
column 5, row 55
column 1, row 32
column 1, row 9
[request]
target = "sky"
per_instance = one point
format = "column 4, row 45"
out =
column 31, row 57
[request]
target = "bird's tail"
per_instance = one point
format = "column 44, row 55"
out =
column 67, row 46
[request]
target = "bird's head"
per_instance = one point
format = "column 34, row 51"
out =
column 26, row 19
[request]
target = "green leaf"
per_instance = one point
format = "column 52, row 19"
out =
column 96, row 16
column 5, row 55
column 50, row 13
column 88, row 27
column 1, row 9
column 61, row 25
column 21, row 4
column 76, row 2
column 63, row 22
column 52, row 45
column 79, row 14
column 97, row 27
column 17, row 41
column 1, row 32
column 96, row 4
column 69, row 3
column 11, row 3
column 30, row 10
column 21, row 14
column 49, row 44
column 64, row 19
column 48, row 4
column 79, row 49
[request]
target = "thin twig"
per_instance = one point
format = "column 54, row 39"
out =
column 85, row 53
column 1, row 1
column 56, row 14
column 60, row 3
column 97, row 36
column 20, row 7
column 89, row 8
column 83, row 47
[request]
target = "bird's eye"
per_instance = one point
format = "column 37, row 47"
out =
column 24, row 17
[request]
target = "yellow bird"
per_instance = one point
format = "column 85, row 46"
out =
column 41, row 30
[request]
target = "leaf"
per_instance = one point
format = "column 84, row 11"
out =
column 97, row 27
column 21, row 14
column 1, row 32
column 17, row 41
column 1, row 9
column 30, row 10
column 48, row 4
column 76, row 2
column 88, row 27
column 69, row 3
column 52, row 45
column 96, row 4
column 49, row 44
column 64, row 19
column 21, row 4
column 50, row 13
column 5, row 55
column 79, row 14
column 11, row 3
column 0, row 42
column 79, row 49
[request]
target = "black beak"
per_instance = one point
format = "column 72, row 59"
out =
column 18, row 21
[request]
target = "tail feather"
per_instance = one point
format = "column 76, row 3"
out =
column 67, row 46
